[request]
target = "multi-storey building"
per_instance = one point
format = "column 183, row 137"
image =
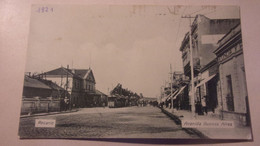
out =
column 79, row 83
column 205, row 33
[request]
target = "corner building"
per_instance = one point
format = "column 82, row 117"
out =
column 234, row 97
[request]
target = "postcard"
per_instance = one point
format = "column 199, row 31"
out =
column 135, row 71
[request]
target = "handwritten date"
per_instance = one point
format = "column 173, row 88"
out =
column 45, row 9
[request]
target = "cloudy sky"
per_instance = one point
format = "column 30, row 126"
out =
column 131, row 45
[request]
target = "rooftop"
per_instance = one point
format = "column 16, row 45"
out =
column 34, row 83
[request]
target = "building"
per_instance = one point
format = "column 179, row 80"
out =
column 35, row 88
column 207, row 87
column 101, row 98
column 41, row 96
column 120, row 96
column 57, row 91
column 205, row 33
column 234, row 97
column 179, row 92
column 79, row 83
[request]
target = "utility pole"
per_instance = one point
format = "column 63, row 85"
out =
column 192, row 69
column 67, row 82
column 161, row 94
column 171, row 86
column 108, row 94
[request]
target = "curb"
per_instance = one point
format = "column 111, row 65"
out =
column 177, row 120
column 45, row 114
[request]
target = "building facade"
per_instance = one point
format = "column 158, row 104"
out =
column 207, row 83
column 178, row 93
column 234, row 97
column 205, row 33
column 79, row 83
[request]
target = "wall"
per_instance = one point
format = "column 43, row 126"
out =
column 213, row 29
column 34, row 105
column 233, row 68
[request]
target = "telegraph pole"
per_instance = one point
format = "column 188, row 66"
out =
column 67, row 83
column 192, row 69
column 171, row 86
column 108, row 94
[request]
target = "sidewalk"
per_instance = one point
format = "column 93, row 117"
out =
column 50, row 113
column 238, row 132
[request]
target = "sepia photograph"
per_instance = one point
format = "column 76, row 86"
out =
column 135, row 71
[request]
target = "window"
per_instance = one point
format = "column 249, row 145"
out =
column 229, row 96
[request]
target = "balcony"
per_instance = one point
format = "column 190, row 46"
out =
column 196, row 66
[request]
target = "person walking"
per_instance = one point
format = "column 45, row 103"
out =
column 66, row 101
column 204, row 105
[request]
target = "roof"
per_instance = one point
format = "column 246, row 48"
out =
column 59, row 71
column 81, row 72
column 51, row 84
column 99, row 92
column 34, row 83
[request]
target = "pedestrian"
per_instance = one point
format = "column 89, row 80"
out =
column 204, row 105
column 66, row 101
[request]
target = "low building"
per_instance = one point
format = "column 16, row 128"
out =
column 102, row 98
column 234, row 97
column 35, row 88
column 40, row 96
column 57, row 91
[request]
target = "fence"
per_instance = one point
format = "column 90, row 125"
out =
column 38, row 105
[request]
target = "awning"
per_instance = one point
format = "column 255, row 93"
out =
column 173, row 94
column 182, row 88
column 205, row 81
column 164, row 99
column 169, row 96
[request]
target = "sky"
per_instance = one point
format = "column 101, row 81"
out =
column 131, row 45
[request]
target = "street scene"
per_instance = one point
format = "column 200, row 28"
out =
column 130, row 122
column 173, row 72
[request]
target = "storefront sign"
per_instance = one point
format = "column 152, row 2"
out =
column 230, row 52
